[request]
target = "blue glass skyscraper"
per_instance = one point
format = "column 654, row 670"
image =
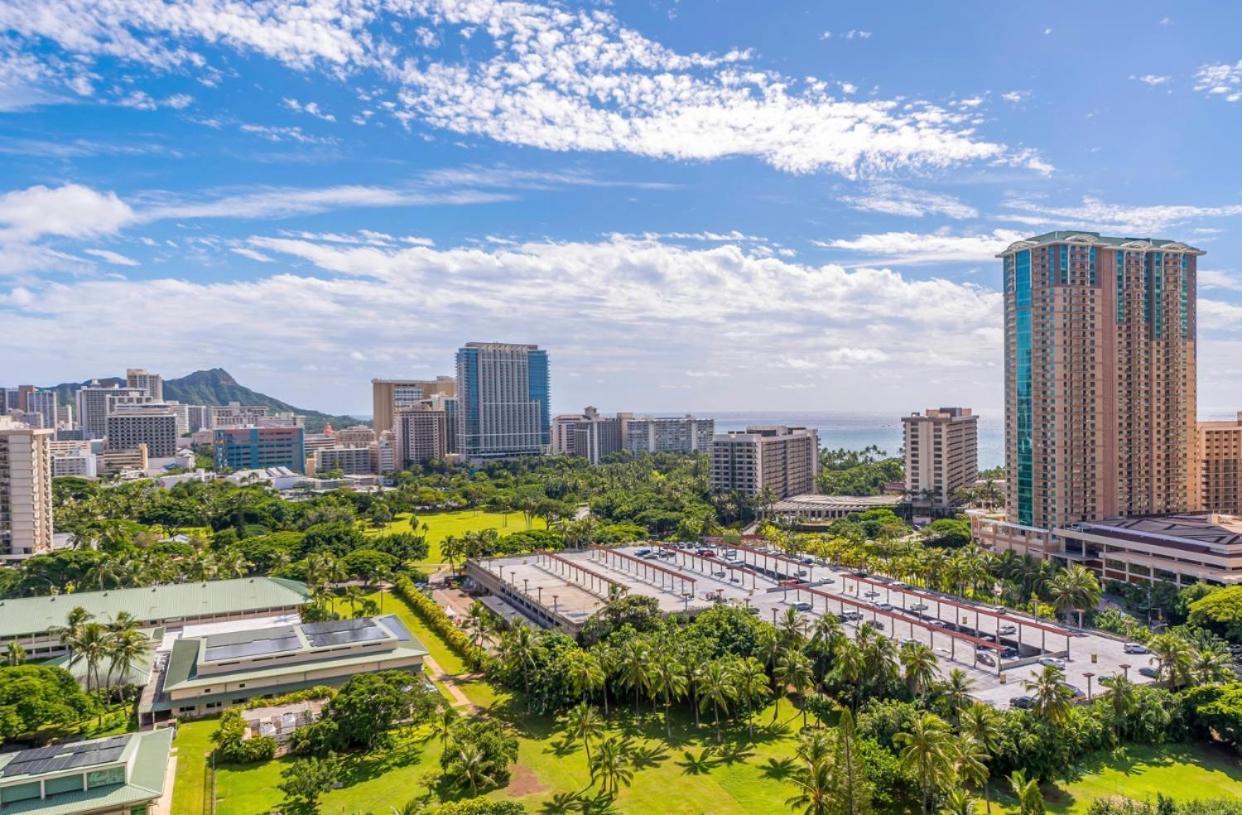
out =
column 503, row 394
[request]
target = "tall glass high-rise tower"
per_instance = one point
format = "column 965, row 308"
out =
column 1099, row 377
column 502, row 400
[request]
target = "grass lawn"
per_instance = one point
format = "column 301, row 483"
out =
column 1181, row 772
column 441, row 525
column 193, row 746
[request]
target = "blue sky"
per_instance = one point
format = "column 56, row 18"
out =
column 693, row 205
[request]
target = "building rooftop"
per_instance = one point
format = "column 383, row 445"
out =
column 143, row 755
column 1204, row 530
column 1096, row 239
column 268, row 652
column 35, row 615
column 812, row 500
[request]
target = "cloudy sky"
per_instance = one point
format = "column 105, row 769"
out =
column 693, row 205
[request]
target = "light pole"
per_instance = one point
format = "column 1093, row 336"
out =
column 1089, row 676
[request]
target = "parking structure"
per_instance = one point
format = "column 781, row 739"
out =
column 998, row 648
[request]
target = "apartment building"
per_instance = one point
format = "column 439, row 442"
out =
column 42, row 403
column 503, row 390
column 349, row 460
column 668, row 434
column 115, row 461
column 589, row 434
column 1218, row 467
column 25, row 490
column 235, row 414
column 156, row 427
column 390, row 395
column 252, row 448
column 150, row 384
column 95, row 402
column 356, row 436
column 942, row 454
column 421, row 435
column 1099, row 377
column 775, row 459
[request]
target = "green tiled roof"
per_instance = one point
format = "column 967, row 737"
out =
column 146, row 782
column 35, row 615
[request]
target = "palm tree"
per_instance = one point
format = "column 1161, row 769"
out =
column 517, row 649
column 1074, row 588
column 1211, row 664
column 751, row 683
column 826, row 637
column 1052, row 697
column 72, row 628
column 14, row 654
column 668, row 680
column 477, row 622
column 980, row 722
column 956, row 690
column 633, row 660
column 1174, row 655
column 971, row 764
column 610, row 766
column 716, row 688
column 816, row 793
column 928, row 752
column 124, row 649
column 584, row 674
column 918, row 665
column 1121, row 698
column 792, row 627
column 470, row 762
column 1030, row 799
column 958, row 802
column 794, row 669
column 582, row 722
column 442, row 724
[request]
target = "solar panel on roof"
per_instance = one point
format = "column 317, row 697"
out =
column 342, row 632
column 237, row 644
column 65, row 756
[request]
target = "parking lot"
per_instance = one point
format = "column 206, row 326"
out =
column 997, row 647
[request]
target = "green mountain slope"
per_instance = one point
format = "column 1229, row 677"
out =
column 218, row 387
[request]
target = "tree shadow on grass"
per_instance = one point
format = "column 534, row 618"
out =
column 703, row 763
column 778, row 769
column 365, row 766
column 562, row 747
column 602, row 803
column 644, row 758
column 562, row 803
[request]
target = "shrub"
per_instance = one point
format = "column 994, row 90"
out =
column 234, row 748
column 431, row 613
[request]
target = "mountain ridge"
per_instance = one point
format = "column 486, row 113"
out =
column 216, row 386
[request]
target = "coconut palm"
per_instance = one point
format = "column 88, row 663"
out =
column 816, row 790
column 442, row 724
column 478, row 623
column 1174, row 655
column 928, row 751
column 583, row 722
column 971, row 764
column 792, row 628
column 1052, row 697
column 716, row 689
column 471, row 765
column 14, row 654
column 1030, row 799
column 956, row 692
column 958, row 802
column 517, row 651
column 826, row 638
column 1121, row 700
column 583, row 673
column 1211, row 664
column 918, row 667
column 750, row 681
column 794, row 670
column 125, row 648
column 668, row 681
column 610, row 766
column 1074, row 588
column 633, row 662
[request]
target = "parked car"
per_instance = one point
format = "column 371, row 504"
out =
column 886, row 607
column 1009, row 653
column 849, row 616
column 1074, row 689
column 1008, row 629
column 873, row 593
column 876, row 624
column 803, row 606
column 644, row 553
column 1053, row 662
column 919, row 607
column 1023, row 702
column 1149, row 672
column 984, row 656
column 720, row 573
column 1135, row 648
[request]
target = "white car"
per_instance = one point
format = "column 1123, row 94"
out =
column 1053, row 662
column 1008, row 629
column 1135, row 648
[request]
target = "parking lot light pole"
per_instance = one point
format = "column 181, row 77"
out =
column 1089, row 676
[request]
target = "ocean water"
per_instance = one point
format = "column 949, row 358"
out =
column 853, row 431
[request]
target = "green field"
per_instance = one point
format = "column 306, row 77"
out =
column 193, row 745
column 441, row 525
column 676, row 779
column 1181, row 772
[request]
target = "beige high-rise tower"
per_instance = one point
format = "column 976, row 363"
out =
column 942, row 454
column 25, row 489
column 1218, row 467
column 1099, row 377
column 390, row 395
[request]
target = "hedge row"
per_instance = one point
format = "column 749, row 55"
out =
column 429, row 610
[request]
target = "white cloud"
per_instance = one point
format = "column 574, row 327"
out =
column 309, row 108
column 1097, row 215
column 274, row 133
column 1016, row 96
column 141, row 100
column 640, row 302
column 1212, row 279
column 894, row 199
column 552, row 77
column 1223, row 80
column 115, row 258
column 71, row 210
column 913, row 248
column 1153, row 80
column 253, row 254
column 1218, row 315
